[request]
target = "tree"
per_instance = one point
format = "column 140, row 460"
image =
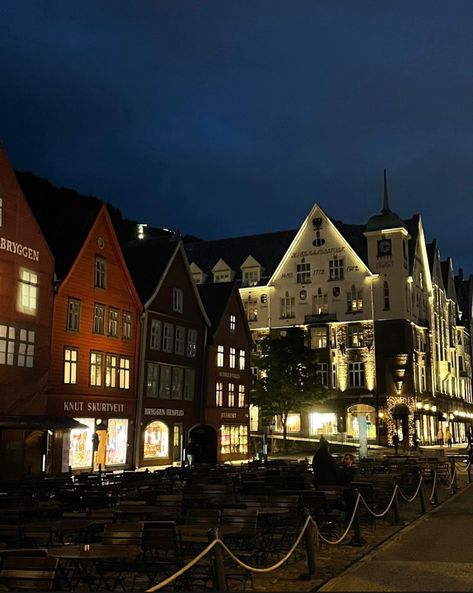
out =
column 288, row 378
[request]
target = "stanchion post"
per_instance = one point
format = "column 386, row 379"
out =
column 356, row 540
column 454, row 475
column 309, row 546
column 220, row 583
column 397, row 518
column 435, row 498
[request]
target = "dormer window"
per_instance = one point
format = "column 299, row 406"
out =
column 222, row 272
column 197, row 274
column 250, row 272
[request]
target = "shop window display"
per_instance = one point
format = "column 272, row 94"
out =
column 80, row 451
column 156, row 442
column 233, row 439
column 117, row 434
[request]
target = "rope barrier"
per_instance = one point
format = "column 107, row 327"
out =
column 451, row 481
column 379, row 515
column 434, row 483
column 415, row 493
column 343, row 536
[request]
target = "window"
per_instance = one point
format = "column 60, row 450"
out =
column 70, row 366
column 180, row 340
column 96, row 369
column 232, row 324
column 322, row 373
column 152, row 377
column 251, row 308
column 220, row 356
column 177, row 300
column 73, row 315
column 189, row 382
column 241, row 396
column 233, row 439
column 254, row 376
column 250, row 277
column 124, row 373
column 335, row 267
column 110, row 370
column 355, row 336
column 287, row 307
column 319, row 303
column 386, row 296
column 100, row 272
column 28, row 292
column 334, row 375
column 26, row 348
column 219, row 394
column 232, row 358
column 318, row 337
column 117, row 441
column 177, row 382
column 156, row 440
column 303, row 273
column 113, row 323
column 222, row 276
column 191, row 343
column 356, row 374
column 168, row 331
column 423, row 382
column 155, row 335
column 242, row 363
column 126, row 325
column 231, row 395
column 7, row 345
column 165, row 381
column 354, row 300
column 99, row 319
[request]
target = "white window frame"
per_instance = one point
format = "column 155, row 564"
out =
column 355, row 336
column 99, row 320
column 96, row 369
column 355, row 300
column 220, row 355
column 113, row 318
column 318, row 336
column 250, row 277
column 322, row 372
column 288, row 304
column 336, row 269
column 303, row 273
column 100, row 272
column 7, row 345
column 155, row 334
column 356, row 374
column 28, row 286
column 251, row 308
column 126, row 325
column 177, row 300
column 242, row 360
column 191, row 348
column 232, row 324
column 111, row 363
column 71, row 359
column 73, row 315
column 180, row 340
column 168, row 337
column 232, row 358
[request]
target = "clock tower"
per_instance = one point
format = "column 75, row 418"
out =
column 387, row 244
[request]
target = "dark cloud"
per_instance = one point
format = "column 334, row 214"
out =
column 222, row 118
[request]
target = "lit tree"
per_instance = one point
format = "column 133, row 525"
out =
column 288, row 380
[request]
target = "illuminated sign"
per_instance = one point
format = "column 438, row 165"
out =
column 163, row 412
column 19, row 249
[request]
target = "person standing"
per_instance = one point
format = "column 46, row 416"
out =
column 396, row 442
column 440, row 436
column 448, row 437
column 324, row 465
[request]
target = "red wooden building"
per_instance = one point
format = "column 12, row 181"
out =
column 26, row 299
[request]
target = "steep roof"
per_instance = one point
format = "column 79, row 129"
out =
column 147, row 261
column 353, row 234
column 215, row 299
column 268, row 249
column 412, row 226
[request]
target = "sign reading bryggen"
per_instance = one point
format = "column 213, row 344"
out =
column 19, row 249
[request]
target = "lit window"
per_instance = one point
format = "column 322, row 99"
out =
column 356, row 374
column 180, row 340
column 28, row 292
column 110, row 370
column 242, row 360
column 250, row 277
column 335, row 267
column 99, row 319
column 355, row 336
column 232, row 358
column 156, row 440
column 251, row 309
column 96, row 369
column 113, row 323
column 26, row 348
column 100, row 272
column 232, row 324
column 354, row 300
column 70, row 366
column 231, row 395
column 318, row 337
column 126, row 325
column 155, row 335
column 191, row 343
column 177, row 300
column 152, row 380
column 124, row 373
column 303, row 273
column 241, row 396
column 319, row 303
column 73, row 315
column 168, row 334
column 189, row 383
column 219, row 394
column 7, row 345
column 220, row 356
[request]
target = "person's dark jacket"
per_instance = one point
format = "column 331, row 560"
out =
column 325, row 467
column 347, row 475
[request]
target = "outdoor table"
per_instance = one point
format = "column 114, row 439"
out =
column 55, row 528
column 84, row 562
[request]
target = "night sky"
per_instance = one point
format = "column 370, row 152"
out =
column 224, row 118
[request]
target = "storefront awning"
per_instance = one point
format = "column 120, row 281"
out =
column 39, row 422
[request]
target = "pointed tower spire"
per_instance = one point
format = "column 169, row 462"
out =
column 386, row 196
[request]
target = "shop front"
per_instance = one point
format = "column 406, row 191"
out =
column 232, row 426
column 104, row 441
column 163, row 434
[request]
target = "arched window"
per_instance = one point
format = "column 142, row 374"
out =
column 387, row 304
column 156, row 443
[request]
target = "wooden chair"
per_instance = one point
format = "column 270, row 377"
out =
column 115, row 573
column 34, row 573
column 162, row 553
column 130, row 534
